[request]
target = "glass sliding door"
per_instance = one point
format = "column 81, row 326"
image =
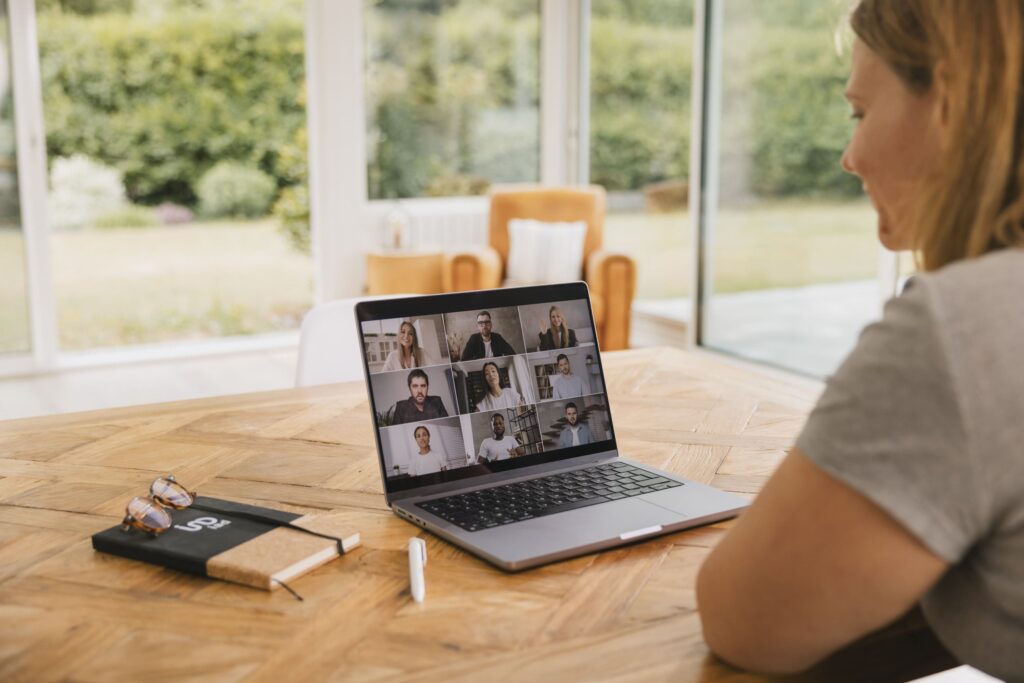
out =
column 15, row 335
column 791, row 257
column 452, row 96
column 641, row 54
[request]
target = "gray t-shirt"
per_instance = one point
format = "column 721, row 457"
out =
column 926, row 419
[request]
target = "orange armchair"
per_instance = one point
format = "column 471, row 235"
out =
column 611, row 277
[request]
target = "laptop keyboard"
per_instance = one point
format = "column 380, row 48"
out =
column 488, row 508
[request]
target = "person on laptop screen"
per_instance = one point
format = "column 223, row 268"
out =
column 564, row 384
column 575, row 432
column 485, row 343
column 497, row 396
column 498, row 446
column 409, row 353
column 426, row 460
column 557, row 335
column 420, row 405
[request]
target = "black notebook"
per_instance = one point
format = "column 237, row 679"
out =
column 221, row 539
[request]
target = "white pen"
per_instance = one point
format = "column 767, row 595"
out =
column 417, row 560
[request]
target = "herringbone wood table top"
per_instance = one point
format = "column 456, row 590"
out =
column 69, row 613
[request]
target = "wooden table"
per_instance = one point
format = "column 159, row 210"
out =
column 67, row 612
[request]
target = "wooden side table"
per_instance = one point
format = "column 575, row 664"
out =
column 404, row 272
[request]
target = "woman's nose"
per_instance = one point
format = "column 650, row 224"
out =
column 846, row 162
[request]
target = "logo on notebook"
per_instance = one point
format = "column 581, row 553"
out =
column 201, row 523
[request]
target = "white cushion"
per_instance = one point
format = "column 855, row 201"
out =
column 541, row 253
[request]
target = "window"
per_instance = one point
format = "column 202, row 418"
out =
column 640, row 73
column 452, row 96
column 177, row 147
column 14, row 320
column 792, row 260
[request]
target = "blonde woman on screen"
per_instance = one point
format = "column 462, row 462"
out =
column 905, row 490
column 496, row 396
column 555, row 333
column 409, row 354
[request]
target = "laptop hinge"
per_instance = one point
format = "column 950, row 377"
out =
column 496, row 478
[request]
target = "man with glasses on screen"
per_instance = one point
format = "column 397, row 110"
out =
column 485, row 343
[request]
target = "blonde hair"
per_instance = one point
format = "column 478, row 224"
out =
column 417, row 352
column 559, row 338
column 974, row 202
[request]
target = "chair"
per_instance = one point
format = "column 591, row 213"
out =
column 329, row 343
column 610, row 276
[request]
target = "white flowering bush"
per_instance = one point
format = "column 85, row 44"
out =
column 82, row 190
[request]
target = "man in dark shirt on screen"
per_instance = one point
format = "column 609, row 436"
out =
column 486, row 344
column 420, row 405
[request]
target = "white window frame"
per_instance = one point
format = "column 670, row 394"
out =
column 345, row 222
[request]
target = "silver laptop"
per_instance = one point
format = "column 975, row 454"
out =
column 494, row 429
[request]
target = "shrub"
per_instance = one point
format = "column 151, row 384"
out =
column 130, row 216
column 163, row 96
column 82, row 190
column 292, row 212
column 235, row 190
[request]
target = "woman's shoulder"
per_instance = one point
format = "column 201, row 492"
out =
column 975, row 302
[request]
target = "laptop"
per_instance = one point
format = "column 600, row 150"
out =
column 494, row 428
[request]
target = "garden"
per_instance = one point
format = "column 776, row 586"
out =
column 177, row 146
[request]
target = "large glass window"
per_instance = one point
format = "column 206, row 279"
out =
column 452, row 95
column 177, row 158
column 14, row 327
column 793, row 258
column 640, row 73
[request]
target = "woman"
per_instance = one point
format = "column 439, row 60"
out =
column 425, row 461
column 408, row 354
column 554, row 333
column 496, row 397
column 906, row 486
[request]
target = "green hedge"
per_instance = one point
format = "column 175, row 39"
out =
column 165, row 99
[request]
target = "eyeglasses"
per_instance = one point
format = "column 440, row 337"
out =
column 150, row 514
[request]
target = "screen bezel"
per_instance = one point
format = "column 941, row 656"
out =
column 433, row 304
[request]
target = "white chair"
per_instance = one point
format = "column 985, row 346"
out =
column 329, row 343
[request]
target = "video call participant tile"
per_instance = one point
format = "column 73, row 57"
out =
column 405, row 343
column 565, row 373
column 413, row 395
column 493, row 383
column 574, row 423
column 419, row 448
column 503, row 434
column 482, row 333
column 563, row 324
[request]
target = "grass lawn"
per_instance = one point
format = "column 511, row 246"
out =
column 777, row 244
column 143, row 285
column 201, row 280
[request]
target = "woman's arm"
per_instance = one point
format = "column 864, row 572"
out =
column 811, row 566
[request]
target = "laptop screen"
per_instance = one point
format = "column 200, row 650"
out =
column 462, row 385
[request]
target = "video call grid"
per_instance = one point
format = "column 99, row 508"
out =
column 468, row 435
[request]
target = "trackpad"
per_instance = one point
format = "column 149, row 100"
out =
column 576, row 528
